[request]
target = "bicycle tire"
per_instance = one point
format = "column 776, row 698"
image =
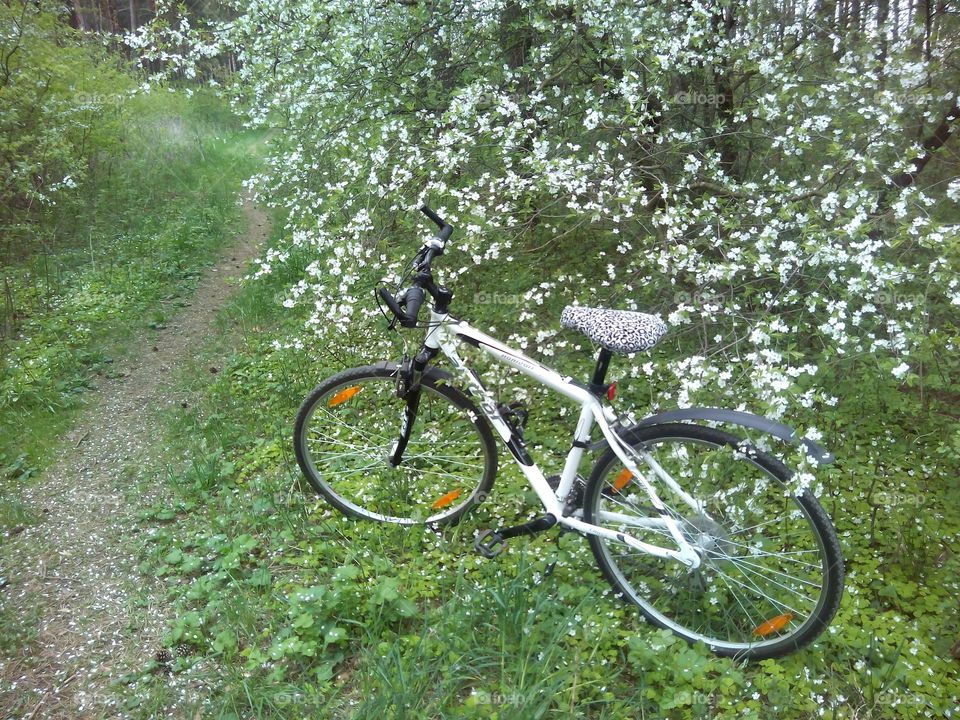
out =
column 359, row 406
column 759, row 639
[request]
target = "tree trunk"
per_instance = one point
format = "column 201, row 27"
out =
column 111, row 13
column 883, row 12
column 726, row 23
column 515, row 35
column 76, row 17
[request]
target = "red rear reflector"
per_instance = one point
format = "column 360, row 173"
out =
column 773, row 624
column 445, row 500
column 612, row 391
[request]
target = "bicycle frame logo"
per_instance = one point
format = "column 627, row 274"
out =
column 444, row 334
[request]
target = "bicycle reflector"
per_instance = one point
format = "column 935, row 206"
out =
column 446, row 499
column 343, row 395
column 621, row 480
column 612, row 391
column 772, row 625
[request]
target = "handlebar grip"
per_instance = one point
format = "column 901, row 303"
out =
column 391, row 303
column 445, row 230
column 433, row 216
column 414, row 299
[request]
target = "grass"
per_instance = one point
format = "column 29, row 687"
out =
column 116, row 259
column 285, row 609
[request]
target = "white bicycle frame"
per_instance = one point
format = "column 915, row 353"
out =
column 445, row 332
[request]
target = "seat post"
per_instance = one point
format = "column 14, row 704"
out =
column 597, row 385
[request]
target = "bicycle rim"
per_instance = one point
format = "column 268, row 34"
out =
column 767, row 580
column 346, row 431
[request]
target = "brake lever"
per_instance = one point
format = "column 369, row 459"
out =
column 420, row 259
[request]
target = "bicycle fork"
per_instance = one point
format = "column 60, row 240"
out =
column 408, row 388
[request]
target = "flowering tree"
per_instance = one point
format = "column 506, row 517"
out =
column 768, row 176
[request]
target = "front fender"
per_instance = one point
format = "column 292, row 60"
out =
column 819, row 454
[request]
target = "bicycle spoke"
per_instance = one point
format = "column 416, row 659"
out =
column 785, row 554
column 354, row 429
column 769, row 570
column 440, row 460
column 776, row 603
column 331, row 455
column 752, row 527
column 346, row 454
column 759, row 578
column 744, row 571
column 753, row 621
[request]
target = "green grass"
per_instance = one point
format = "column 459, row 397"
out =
column 114, row 261
column 287, row 609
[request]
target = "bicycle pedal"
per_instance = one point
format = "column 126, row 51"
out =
column 492, row 547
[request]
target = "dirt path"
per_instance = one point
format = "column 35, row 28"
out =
column 76, row 567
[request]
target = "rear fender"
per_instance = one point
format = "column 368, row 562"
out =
column 818, row 454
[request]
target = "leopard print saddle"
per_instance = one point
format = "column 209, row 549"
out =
column 621, row 331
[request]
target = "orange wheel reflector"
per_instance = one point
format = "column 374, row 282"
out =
column 772, row 625
column 344, row 395
column 620, row 482
column 445, row 500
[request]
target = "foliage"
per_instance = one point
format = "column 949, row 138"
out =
column 775, row 185
column 775, row 181
column 701, row 165
column 62, row 100
column 272, row 570
column 126, row 245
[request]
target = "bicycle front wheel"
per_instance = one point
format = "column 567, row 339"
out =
column 345, row 433
column 771, row 573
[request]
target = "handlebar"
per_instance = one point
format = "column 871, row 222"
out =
column 445, row 230
column 433, row 216
column 406, row 305
column 411, row 299
column 414, row 299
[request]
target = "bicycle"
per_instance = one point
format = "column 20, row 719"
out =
column 698, row 528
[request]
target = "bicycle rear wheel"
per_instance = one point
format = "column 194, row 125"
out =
column 771, row 575
column 345, row 432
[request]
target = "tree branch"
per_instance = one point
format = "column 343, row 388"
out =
column 934, row 142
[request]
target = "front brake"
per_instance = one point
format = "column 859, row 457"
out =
column 404, row 376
